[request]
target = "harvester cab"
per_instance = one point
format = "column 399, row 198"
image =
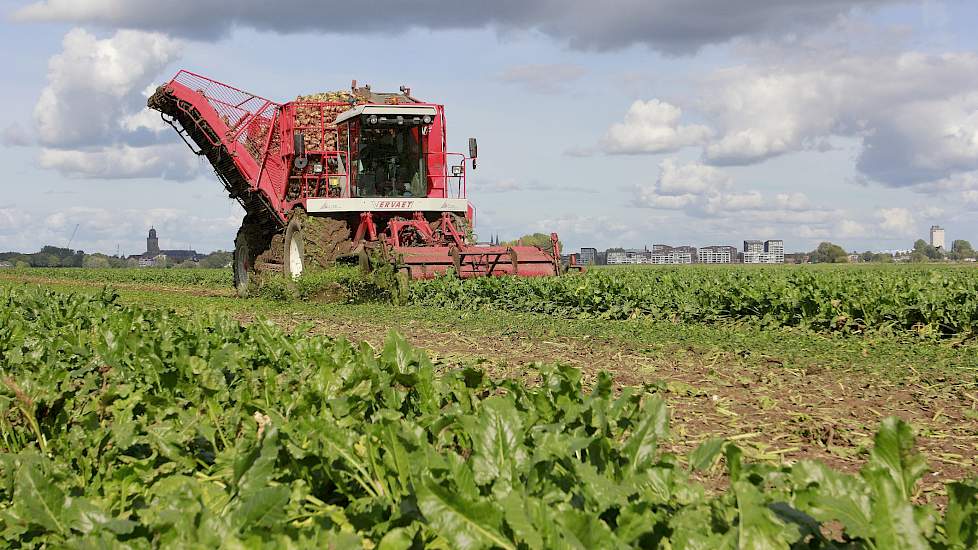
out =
column 341, row 174
column 388, row 148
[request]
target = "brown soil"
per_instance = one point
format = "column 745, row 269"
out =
column 274, row 255
column 324, row 240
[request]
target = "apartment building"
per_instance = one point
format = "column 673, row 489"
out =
column 663, row 254
column 588, row 256
column 766, row 252
column 717, row 254
column 628, row 257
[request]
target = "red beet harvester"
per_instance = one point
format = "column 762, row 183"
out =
column 372, row 165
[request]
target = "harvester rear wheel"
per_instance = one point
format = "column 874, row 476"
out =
column 250, row 242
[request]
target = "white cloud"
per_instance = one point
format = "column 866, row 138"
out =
column 792, row 201
column 94, row 84
column 650, row 199
column 751, row 200
column 970, row 196
column 705, row 192
column 652, row 127
column 693, row 178
column 681, row 186
column 897, row 220
column 813, row 232
column 172, row 162
column 16, row 135
column 851, row 228
column 11, row 219
column 145, row 119
column 91, row 117
column 915, row 114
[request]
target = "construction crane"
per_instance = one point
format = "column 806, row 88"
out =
column 338, row 175
column 68, row 246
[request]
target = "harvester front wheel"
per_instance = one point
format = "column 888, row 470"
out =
column 294, row 248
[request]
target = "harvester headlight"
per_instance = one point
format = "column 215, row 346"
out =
column 400, row 119
column 456, row 171
column 426, row 119
column 372, row 119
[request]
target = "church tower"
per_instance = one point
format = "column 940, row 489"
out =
column 152, row 244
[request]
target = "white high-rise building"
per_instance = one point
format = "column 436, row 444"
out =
column 673, row 257
column 775, row 250
column 768, row 252
column 937, row 236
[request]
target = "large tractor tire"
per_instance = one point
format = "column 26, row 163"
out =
column 250, row 242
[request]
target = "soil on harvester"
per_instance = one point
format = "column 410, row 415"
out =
column 325, row 240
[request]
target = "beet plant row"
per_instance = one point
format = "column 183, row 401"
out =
column 128, row 427
column 929, row 300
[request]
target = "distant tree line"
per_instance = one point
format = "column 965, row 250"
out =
column 541, row 240
column 829, row 253
column 53, row 256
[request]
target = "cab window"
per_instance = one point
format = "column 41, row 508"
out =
column 388, row 162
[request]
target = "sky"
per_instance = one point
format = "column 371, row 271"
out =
column 623, row 123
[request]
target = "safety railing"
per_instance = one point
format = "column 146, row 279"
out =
column 333, row 179
column 248, row 117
